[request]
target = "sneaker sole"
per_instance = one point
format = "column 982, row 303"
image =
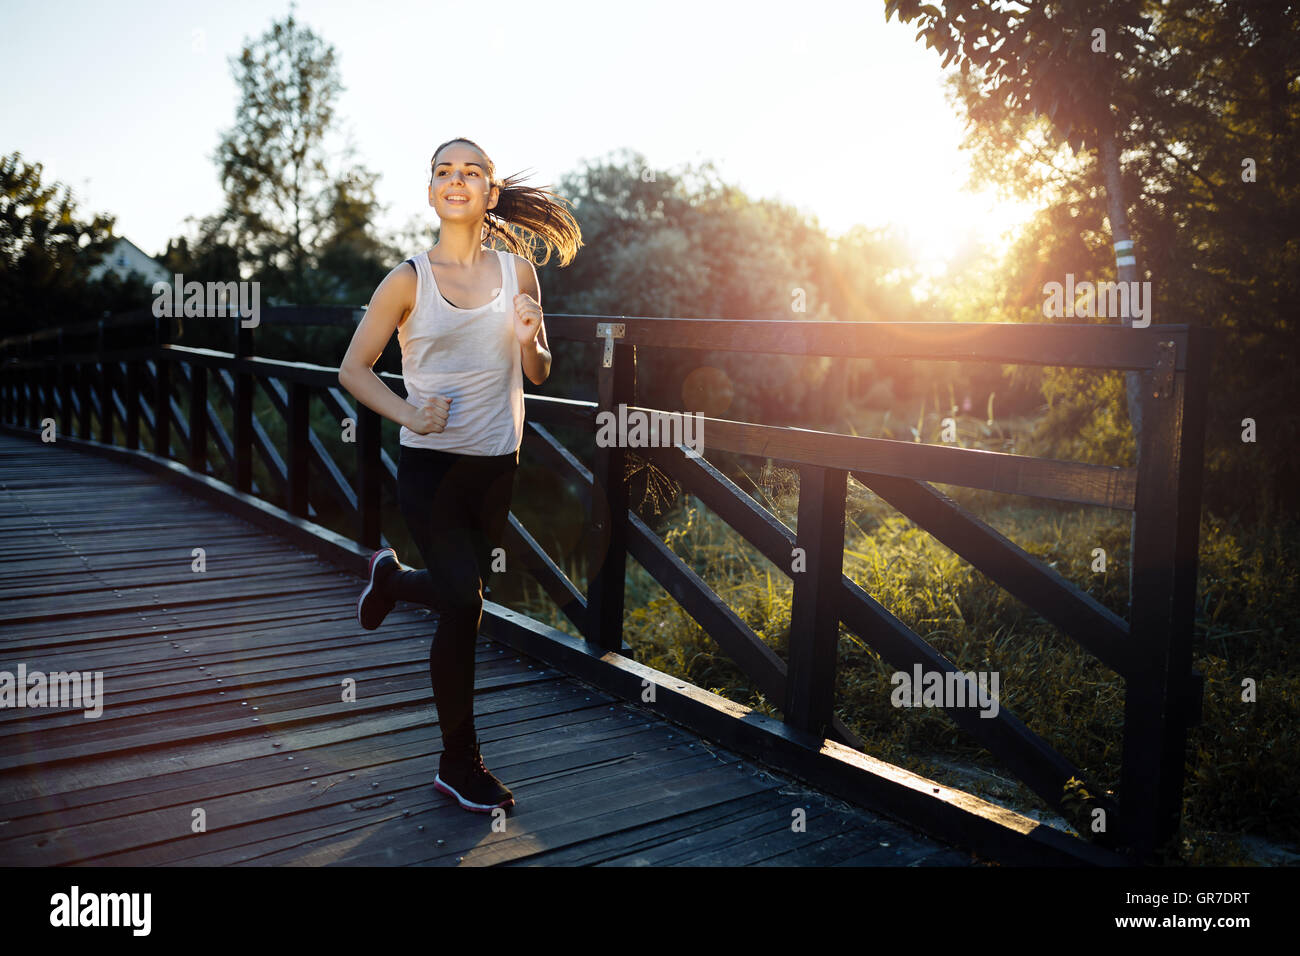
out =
column 371, row 583
column 470, row 804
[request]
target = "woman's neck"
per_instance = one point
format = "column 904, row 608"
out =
column 459, row 244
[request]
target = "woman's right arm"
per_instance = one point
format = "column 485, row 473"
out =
column 392, row 301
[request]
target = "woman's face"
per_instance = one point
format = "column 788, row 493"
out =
column 459, row 171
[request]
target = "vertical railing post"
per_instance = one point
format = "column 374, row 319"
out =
column 131, row 401
column 369, row 489
column 607, row 555
column 44, row 389
column 30, row 413
column 84, row 377
column 20, row 382
column 1159, row 691
column 1188, row 685
column 14, row 387
column 298, row 424
column 50, row 389
column 6, row 382
column 816, row 567
column 198, row 418
column 11, row 394
column 16, row 391
column 30, row 404
column 105, row 389
column 39, row 402
column 243, row 411
column 162, row 402
column 65, row 390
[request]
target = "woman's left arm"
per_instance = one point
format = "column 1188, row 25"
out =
column 530, row 327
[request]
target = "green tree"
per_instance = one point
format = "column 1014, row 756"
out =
column 351, row 260
column 285, row 208
column 682, row 243
column 47, row 251
column 1223, row 251
column 1064, row 61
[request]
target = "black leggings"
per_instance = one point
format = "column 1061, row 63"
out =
column 456, row 507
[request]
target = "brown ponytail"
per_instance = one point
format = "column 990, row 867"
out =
column 537, row 213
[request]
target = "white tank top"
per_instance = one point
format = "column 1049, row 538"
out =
column 469, row 355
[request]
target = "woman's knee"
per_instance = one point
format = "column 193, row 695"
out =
column 461, row 599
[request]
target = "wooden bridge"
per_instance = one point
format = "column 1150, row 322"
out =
column 225, row 738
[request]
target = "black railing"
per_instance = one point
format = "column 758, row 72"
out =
column 41, row 380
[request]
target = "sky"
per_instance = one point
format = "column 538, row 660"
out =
column 822, row 105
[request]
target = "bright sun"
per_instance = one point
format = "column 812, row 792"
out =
column 938, row 231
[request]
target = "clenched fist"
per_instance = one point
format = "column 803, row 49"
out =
column 432, row 417
column 528, row 318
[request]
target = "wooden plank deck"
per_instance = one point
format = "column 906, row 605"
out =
column 221, row 693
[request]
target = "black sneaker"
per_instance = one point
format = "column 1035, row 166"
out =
column 372, row 606
column 471, row 783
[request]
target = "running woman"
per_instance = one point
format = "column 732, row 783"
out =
column 469, row 321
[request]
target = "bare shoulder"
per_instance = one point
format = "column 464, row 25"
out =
column 401, row 276
column 396, row 293
column 526, row 273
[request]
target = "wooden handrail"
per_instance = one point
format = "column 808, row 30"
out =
column 1068, row 345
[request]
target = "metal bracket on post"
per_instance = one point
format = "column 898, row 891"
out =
column 1162, row 376
column 609, row 331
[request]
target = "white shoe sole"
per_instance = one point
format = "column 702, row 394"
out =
column 438, row 784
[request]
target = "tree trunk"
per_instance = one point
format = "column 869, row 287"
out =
column 1126, row 269
column 1125, row 260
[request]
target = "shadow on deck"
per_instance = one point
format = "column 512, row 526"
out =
column 222, row 700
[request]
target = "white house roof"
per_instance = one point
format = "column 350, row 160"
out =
column 125, row 257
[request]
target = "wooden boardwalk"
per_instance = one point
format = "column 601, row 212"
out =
column 222, row 699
